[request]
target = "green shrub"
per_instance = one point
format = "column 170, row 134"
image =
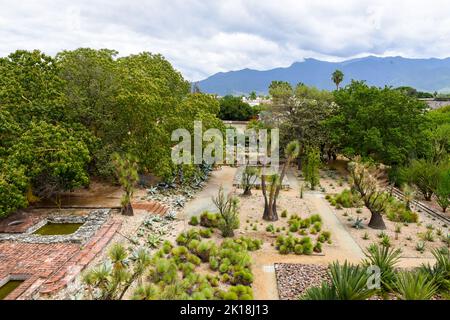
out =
column 270, row 228
column 206, row 233
column 317, row 226
column 298, row 249
column 284, row 214
column 316, row 218
column 209, row 220
column 194, row 221
column 213, row 263
column 308, row 248
column 318, row 247
column 346, row 199
column 243, row 277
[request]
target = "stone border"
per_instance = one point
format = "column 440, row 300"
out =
column 91, row 223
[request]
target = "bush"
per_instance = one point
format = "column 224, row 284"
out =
column 194, row 221
column 316, row 218
column 206, row 233
column 318, row 247
column 209, row 220
column 270, row 228
column 284, row 214
column 347, row 199
column 397, row 212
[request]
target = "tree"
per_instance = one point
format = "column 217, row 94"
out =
column 127, row 175
column 442, row 190
column 275, row 182
column 424, row 175
column 337, row 77
column 252, row 95
column 311, row 168
column 233, row 108
column 13, row 187
column 366, row 184
column 382, row 124
column 55, row 158
column 249, row 176
column 229, row 218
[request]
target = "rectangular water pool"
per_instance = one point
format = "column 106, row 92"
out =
column 9, row 287
column 57, row 229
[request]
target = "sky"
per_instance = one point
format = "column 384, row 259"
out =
column 203, row 37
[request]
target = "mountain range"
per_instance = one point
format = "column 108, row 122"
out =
column 428, row 75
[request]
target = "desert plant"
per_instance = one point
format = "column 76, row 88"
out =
column 385, row 241
column 420, row 246
column 366, row 184
column 386, row 260
column 194, row 221
column 311, row 168
column 275, row 183
column 284, row 214
column 229, row 219
column 358, row 224
column 249, row 176
column 414, row 286
column 127, row 175
column 439, row 273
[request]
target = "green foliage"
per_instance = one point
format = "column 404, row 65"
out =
column 381, row 123
column 348, row 282
column 233, row 108
column 194, row 221
column 397, row 212
column 290, row 244
column 127, row 175
column 386, row 259
column 414, row 286
column 439, row 273
column 228, row 214
column 424, row 175
column 347, row 199
column 311, row 168
column 209, row 220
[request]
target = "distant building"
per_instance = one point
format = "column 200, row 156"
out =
column 436, row 104
column 256, row 102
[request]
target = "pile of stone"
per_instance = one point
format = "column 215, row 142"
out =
column 294, row 279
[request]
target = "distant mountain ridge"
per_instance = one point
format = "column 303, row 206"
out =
column 423, row 74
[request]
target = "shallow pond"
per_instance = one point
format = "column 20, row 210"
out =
column 57, row 229
column 9, row 287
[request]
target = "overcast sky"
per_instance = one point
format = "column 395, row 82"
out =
column 204, row 37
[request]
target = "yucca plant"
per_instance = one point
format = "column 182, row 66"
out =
column 384, row 258
column 350, row 282
column 324, row 292
column 414, row 286
column 439, row 273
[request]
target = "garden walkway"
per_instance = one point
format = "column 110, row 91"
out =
column 343, row 248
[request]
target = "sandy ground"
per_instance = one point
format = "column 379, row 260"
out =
column 203, row 200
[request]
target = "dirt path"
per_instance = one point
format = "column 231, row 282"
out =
column 203, row 200
column 343, row 248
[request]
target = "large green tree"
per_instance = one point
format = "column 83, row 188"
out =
column 380, row 123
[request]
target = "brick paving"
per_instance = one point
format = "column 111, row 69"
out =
column 48, row 268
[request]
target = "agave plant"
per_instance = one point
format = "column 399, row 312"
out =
column 152, row 191
column 386, row 260
column 171, row 215
column 414, row 286
column 153, row 240
column 358, row 224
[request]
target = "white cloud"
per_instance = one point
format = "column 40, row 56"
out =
column 204, row 37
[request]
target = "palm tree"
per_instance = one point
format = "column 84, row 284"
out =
column 337, row 77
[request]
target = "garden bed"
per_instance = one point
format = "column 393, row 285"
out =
column 294, row 279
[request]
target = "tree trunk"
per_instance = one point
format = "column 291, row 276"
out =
column 247, row 192
column 376, row 221
column 128, row 210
